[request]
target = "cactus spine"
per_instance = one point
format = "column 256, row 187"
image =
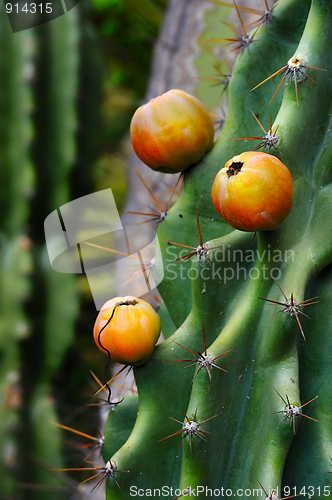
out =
column 54, row 156
column 15, row 134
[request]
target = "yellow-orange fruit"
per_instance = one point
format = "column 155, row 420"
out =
column 171, row 131
column 253, row 192
column 131, row 334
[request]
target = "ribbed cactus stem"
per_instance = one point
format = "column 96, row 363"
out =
column 252, row 296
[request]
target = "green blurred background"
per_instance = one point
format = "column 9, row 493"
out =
column 68, row 90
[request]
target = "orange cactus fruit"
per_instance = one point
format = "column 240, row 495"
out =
column 131, row 332
column 253, row 192
column 171, row 132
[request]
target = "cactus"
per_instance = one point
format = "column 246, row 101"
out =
column 15, row 264
column 213, row 299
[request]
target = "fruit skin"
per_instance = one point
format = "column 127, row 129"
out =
column 253, row 192
column 171, row 132
column 131, row 335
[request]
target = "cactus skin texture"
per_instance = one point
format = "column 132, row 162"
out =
column 248, row 443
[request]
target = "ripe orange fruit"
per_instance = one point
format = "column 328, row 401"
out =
column 131, row 333
column 171, row 132
column 253, row 192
